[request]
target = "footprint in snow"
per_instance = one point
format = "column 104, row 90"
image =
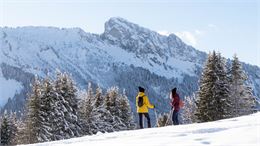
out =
column 209, row 130
column 199, row 139
column 205, row 142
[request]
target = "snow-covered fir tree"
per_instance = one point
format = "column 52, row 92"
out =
column 205, row 93
column 126, row 114
column 58, row 123
column 242, row 97
column 118, row 105
column 21, row 137
column 67, row 124
column 98, row 100
column 101, row 118
column 86, row 103
column 5, row 131
column 187, row 113
column 164, row 119
column 95, row 115
column 106, row 113
column 47, row 106
column 112, row 101
column 85, row 108
column 13, row 128
column 8, row 130
column 53, row 110
column 33, row 123
column 214, row 94
column 113, row 106
column 222, row 90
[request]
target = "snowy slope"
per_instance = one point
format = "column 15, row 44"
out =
column 241, row 131
column 8, row 89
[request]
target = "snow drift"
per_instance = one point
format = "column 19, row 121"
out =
column 241, row 131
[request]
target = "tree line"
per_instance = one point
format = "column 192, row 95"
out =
column 56, row 110
column 223, row 93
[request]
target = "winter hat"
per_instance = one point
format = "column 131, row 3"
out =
column 174, row 91
column 141, row 89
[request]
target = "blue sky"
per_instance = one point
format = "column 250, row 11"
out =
column 228, row 26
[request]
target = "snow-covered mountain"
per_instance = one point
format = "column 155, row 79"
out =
column 241, row 131
column 126, row 55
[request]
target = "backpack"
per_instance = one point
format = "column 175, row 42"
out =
column 181, row 104
column 140, row 101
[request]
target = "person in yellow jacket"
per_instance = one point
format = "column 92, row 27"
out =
column 142, row 105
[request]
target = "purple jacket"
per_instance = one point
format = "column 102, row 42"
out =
column 176, row 102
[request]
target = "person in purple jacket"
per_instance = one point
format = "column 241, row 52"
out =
column 175, row 106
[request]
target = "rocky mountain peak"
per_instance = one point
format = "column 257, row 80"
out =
column 134, row 38
column 146, row 43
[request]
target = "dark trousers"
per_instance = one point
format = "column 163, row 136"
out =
column 175, row 118
column 141, row 120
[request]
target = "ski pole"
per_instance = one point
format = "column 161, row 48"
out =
column 170, row 114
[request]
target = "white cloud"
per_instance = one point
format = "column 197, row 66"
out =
column 187, row 37
column 164, row 32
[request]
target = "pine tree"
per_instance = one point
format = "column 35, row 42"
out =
column 126, row 114
column 213, row 95
column 113, row 94
column 164, row 120
column 111, row 112
column 98, row 98
column 13, row 128
column 105, row 113
column 222, row 90
column 118, row 105
column 205, row 93
column 88, row 101
column 47, row 105
column 58, row 111
column 95, row 116
column 41, row 104
column 67, row 124
column 53, row 110
column 108, row 102
column 187, row 114
column 241, row 95
column 101, row 118
column 33, row 119
column 5, row 131
column 85, row 109
column 21, row 137
column 8, row 130
column 73, row 103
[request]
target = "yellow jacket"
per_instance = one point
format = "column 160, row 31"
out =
column 146, row 105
